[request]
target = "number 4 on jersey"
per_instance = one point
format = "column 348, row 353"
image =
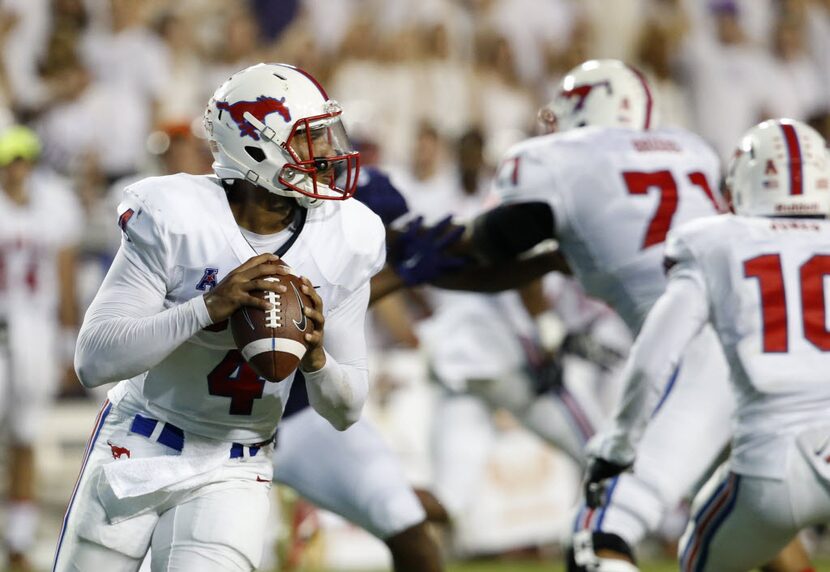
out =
column 234, row 378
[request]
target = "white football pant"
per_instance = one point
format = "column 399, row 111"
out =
column 217, row 526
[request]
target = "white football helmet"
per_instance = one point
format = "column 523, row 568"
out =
column 274, row 125
column 605, row 93
column 781, row 167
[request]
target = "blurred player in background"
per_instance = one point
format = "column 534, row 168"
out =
column 40, row 226
column 608, row 185
column 490, row 353
column 180, row 459
column 759, row 279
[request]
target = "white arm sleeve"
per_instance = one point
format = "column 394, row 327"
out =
column 675, row 319
column 126, row 330
column 338, row 390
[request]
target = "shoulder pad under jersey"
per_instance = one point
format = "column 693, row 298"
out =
column 348, row 242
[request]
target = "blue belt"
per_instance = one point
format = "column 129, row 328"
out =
column 170, row 435
column 173, row 437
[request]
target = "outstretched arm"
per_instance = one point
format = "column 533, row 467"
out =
column 676, row 318
column 505, row 275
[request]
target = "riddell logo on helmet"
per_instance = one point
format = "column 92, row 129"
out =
column 797, row 208
column 260, row 108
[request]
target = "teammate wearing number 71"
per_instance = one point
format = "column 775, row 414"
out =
column 758, row 278
column 609, row 185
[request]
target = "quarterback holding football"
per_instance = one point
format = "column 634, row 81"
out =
column 180, row 457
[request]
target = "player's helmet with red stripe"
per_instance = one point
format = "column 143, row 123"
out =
column 274, row 125
column 781, row 167
column 605, row 93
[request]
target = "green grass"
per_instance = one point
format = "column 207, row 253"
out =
column 524, row 566
column 667, row 566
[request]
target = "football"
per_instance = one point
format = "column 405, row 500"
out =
column 273, row 341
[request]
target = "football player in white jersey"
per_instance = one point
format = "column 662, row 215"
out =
column 759, row 278
column 180, row 457
column 40, row 226
column 609, row 185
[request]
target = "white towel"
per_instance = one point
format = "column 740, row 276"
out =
column 170, row 473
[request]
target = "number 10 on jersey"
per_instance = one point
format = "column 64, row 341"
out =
column 774, row 319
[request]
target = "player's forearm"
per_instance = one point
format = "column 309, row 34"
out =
column 112, row 347
column 504, row 275
column 126, row 330
column 338, row 392
column 384, row 283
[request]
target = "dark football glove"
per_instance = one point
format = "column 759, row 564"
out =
column 599, row 471
column 420, row 253
column 548, row 375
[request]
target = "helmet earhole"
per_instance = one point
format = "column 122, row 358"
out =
column 255, row 153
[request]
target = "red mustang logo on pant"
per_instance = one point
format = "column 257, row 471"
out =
column 117, row 451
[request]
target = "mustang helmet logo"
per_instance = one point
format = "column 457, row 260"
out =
column 581, row 92
column 259, row 108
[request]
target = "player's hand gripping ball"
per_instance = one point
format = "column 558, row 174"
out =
column 273, row 341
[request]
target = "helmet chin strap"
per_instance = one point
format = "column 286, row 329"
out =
column 266, row 132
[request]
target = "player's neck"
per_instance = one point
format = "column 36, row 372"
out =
column 259, row 211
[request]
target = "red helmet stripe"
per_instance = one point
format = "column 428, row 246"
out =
column 794, row 153
column 310, row 77
column 647, row 89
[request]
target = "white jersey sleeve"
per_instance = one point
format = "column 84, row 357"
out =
column 349, row 247
column 126, row 330
column 339, row 390
column 676, row 318
column 524, row 175
column 680, row 262
column 142, row 241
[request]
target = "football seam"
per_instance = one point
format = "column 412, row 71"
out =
column 273, row 317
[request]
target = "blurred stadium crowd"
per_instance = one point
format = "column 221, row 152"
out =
column 434, row 91
column 107, row 83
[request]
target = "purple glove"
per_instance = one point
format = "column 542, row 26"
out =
column 419, row 255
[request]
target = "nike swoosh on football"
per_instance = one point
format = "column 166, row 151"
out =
column 300, row 325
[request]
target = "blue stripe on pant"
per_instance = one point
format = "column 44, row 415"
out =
column 707, row 522
column 102, row 417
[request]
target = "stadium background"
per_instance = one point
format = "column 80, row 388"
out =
column 115, row 89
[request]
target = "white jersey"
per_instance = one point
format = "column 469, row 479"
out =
column 31, row 236
column 180, row 230
column 615, row 193
column 765, row 282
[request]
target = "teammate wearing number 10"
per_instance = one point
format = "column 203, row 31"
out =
column 759, row 278
column 181, row 456
column 609, row 185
